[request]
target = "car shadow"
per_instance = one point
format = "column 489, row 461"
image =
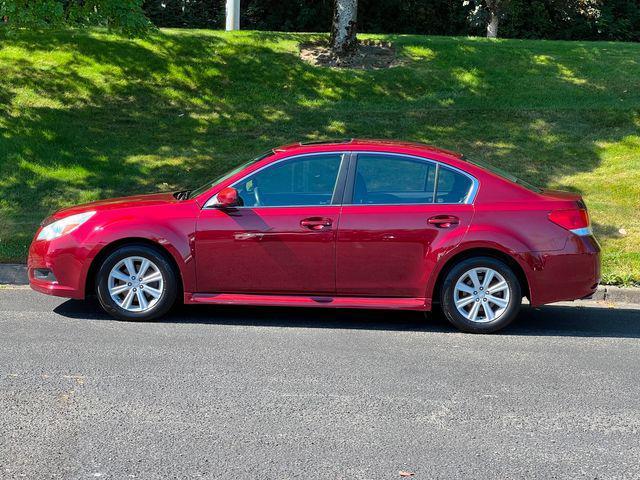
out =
column 551, row 320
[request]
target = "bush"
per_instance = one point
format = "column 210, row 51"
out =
column 125, row 16
column 553, row 19
column 619, row 20
column 186, row 13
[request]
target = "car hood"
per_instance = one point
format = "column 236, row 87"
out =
column 120, row 202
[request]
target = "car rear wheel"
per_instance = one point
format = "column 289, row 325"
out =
column 481, row 295
column 136, row 282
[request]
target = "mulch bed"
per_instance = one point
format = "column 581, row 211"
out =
column 371, row 55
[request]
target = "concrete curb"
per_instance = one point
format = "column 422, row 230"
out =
column 13, row 274
column 611, row 293
column 16, row 274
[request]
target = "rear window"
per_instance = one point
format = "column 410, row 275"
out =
column 506, row 175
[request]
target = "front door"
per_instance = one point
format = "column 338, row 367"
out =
column 402, row 210
column 282, row 241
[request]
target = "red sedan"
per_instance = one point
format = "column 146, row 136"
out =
column 344, row 224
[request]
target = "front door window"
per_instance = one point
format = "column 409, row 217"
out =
column 308, row 180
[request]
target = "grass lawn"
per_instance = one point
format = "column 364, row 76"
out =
column 89, row 115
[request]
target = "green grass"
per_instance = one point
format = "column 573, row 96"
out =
column 89, row 115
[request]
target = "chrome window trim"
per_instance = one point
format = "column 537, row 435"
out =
column 469, row 199
column 211, row 202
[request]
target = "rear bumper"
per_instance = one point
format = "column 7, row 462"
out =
column 569, row 274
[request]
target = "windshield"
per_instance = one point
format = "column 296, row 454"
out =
column 506, row 175
column 211, row 183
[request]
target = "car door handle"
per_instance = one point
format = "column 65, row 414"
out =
column 316, row 223
column 248, row 236
column 444, row 221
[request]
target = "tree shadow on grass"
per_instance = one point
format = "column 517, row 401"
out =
column 89, row 116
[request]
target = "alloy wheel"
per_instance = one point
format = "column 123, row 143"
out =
column 135, row 284
column 481, row 295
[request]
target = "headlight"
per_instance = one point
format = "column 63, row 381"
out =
column 64, row 226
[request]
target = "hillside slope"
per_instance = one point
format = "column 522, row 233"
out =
column 87, row 115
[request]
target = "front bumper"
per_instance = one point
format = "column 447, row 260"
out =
column 68, row 263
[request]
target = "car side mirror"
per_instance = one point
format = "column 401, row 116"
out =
column 227, row 197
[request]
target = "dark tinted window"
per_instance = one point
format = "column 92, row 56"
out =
column 453, row 187
column 302, row 181
column 388, row 179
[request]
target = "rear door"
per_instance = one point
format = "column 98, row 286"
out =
column 398, row 212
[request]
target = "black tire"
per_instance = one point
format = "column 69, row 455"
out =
column 164, row 302
column 447, row 299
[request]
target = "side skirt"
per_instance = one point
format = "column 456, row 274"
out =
column 384, row 303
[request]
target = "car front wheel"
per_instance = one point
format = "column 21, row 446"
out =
column 481, row 295
column 136, row 282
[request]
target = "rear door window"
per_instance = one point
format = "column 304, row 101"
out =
column 392, row 179
column 453, row 187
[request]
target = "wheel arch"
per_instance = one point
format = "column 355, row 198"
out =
column 510, row 260
column 113, row 246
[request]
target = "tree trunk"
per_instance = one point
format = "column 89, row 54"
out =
column 492, row 26
column 494, row 18
column 343, row 29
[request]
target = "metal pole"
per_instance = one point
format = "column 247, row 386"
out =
column 233, row 14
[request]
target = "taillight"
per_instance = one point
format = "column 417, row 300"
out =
column 575, row 220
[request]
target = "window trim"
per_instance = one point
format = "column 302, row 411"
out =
column 338, row 188
column 348, row 195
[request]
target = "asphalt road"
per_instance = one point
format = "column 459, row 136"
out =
column 272, row 393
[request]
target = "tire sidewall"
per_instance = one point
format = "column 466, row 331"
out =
column 447, row 300
column 167, row 297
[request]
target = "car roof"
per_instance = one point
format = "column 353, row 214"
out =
column 363, row 144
